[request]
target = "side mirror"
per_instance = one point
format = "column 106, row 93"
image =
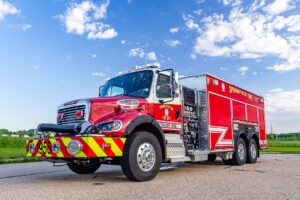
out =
column 100, row 90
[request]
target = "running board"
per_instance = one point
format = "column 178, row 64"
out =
column 176, row 151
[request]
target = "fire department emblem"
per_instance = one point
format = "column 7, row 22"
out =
column 166, row 111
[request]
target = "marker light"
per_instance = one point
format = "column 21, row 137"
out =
column 74, row 147
column 55, row 147
column 31, row 148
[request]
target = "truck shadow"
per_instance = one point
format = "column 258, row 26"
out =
column 112, row 174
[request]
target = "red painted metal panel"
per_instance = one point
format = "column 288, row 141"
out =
column 220, row 120
column 239, row 111
column 252, row 114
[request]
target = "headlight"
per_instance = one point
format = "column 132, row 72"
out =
column 110, row 126
column 31, row 148
column 74, row 147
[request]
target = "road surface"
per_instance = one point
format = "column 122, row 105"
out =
column 273, row 177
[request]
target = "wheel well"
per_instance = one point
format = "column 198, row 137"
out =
column 244, row 137
column 152, row 129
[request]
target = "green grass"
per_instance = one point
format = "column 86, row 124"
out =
column 287, row 147
column 12, row 150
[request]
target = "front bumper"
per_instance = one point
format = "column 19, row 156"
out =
column 92, row 147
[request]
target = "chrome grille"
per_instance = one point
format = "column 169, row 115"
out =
column 69, row 115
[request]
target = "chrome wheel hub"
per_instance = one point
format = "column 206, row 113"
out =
column 253, row 151
column 241, row 151
column 146, row 157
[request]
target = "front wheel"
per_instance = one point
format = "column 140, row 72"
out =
column 85, row 168
column 142, row 156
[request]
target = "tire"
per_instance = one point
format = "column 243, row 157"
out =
column 252, row 152
column 85, row 168
column 240, row 155
column 212, row 157
column 142, row 156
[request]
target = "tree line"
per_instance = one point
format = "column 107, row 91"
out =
column 20, row 133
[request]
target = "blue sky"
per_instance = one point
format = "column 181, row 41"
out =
column 54, row 51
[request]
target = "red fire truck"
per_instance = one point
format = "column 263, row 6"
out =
column 147, row 116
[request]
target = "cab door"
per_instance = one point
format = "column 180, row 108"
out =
column 166, row 103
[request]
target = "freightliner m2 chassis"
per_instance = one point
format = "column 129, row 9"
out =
column 148, row 116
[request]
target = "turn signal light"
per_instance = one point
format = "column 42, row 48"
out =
column 106, row 146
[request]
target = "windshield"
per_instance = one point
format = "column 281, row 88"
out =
column 135, row 84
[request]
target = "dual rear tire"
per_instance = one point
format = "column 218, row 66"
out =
column 243, row 153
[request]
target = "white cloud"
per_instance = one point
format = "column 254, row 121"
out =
column 137, row 52
column 26, row 26
column 250, row 34
column 7, row 9
column 94, row 56
column 173, row 43
column 84, row 18
column 275, row 90
column 123, row 42
column 174, row 30
column 193, row 56
column 223, row 68
column 198, row 12
column 35, row 67
column 243, row 70
column 232, row 2
column 151, row 56
column 190, row 23
column 283, row 109
column 98, row 74
column 279, row 6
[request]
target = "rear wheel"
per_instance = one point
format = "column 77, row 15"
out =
column 85, row 168
column 252, row 152
column 142, row 156
column 240, row 155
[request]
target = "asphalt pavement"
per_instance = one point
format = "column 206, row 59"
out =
column 274, row 176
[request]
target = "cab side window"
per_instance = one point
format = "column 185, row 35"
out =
column 163, row 86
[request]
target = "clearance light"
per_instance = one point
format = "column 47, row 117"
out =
column 74, row 147
column 55, row 147
column 79, row 113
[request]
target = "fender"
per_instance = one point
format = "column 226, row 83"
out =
column 147, row 119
